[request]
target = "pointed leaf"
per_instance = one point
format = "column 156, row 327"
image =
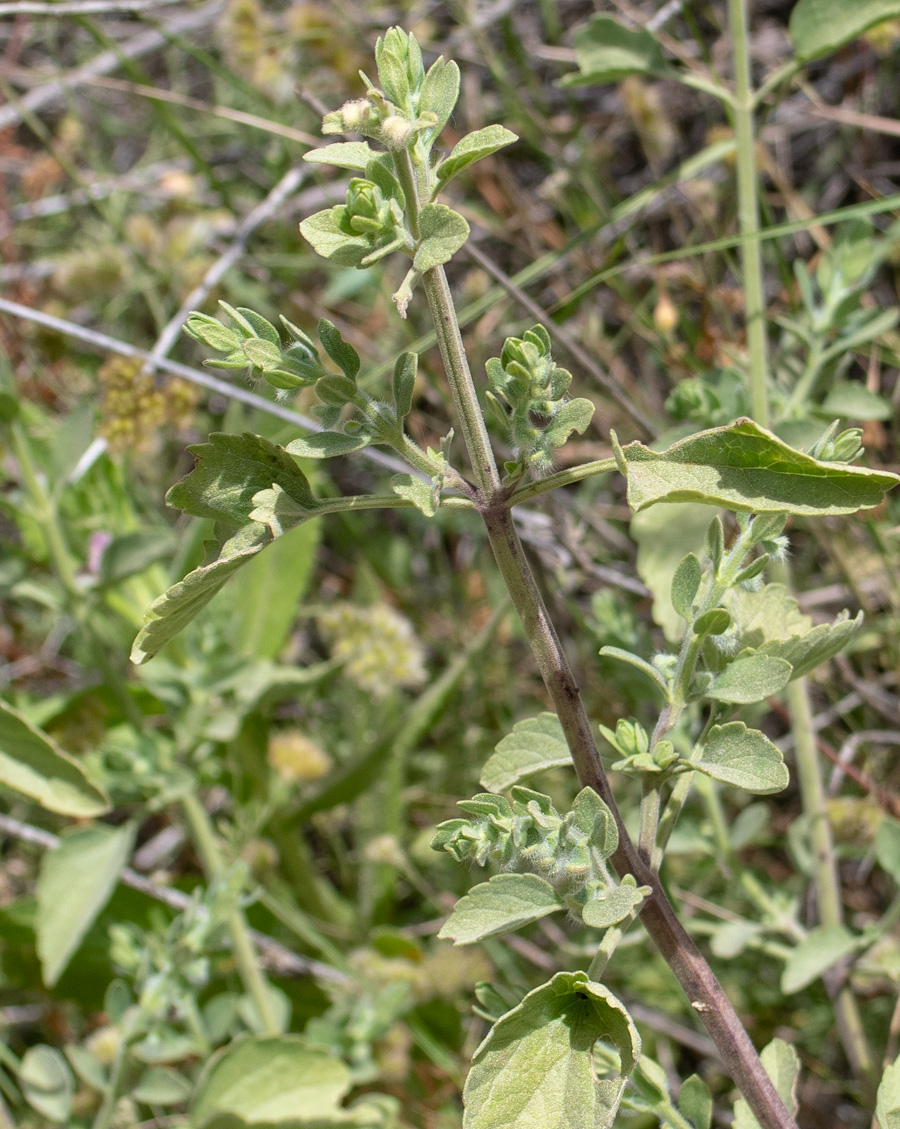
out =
column 76, row 880
column 439, row 93
column 343, row 155
column 535, row 1070
column 31, row 763
column 888, row 1108
column 404, row 383
column 782, row 1065
column 441, row 234
column 343, row 354
column 750, row 679
column 745, row 468
column 820, row 26
column 506, row 902
column 695, row 1102
column 685, row 584
column 473, row 147
column 535, row 744
column 744, row 758
column 607, row 52
column 327, row 445
column 853, row 400
column 818, row 952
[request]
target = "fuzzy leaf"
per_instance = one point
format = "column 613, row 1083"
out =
column 613, row 905
column 695, row 1102
column 750, row 679
column 343, row 355
column 744, row 758
column 535, row 1071
column 888, row 1108
column 441, row 234
column 606, row 52
column 404, row 383
column 76, row 880
column 853, row 400
column 328, row 239
column 46, row 1082
column 745, row 468
column 439, row 93
column 32, row 764
column 326, row 445
column 820, row 26
column 414, row 490
column 506, row 902
column 535, row 744
column 782, row 1065
column 575, row 415
column 685, row 584
column 820, row 950
column 473, row 147
column 343, row 155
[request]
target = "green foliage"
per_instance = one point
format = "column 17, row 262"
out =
column 607, row 52
column 888, row 1111
column 783, row 1067
column 473, row 147
column 820, row 26
column 506, row 902
column 818, row 952
column 441, row 234
column 744, row 758
column 535, row 744
column 47, row 1083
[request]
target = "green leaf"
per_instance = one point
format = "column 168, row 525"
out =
column 817, row 952
column 695, row 1102
column 606, row 52
column 750, row 679
column 269, row 1081
column 441, row 234
column 404, row 383
column 47, row 1083
column 504, row 903
column 820, row 26
column 343, row 155
column 76, row 880
column 535, row 744
column 574, row 415
column 888, row 1107
column 639, row 664
column 131, row 553
column 328, row 239
column 685, row 584
column 613, row 904
column 160, row 1085
column 343, row 355
column 782, row 1065
column 663, row 535
column 714, row 622
column 770, row 622
column 326, row 445
column 420, row 493
column 534, row 1070
column 744, row 758
column 32, row 764
column 440, row 91
column 853, row 400
column 473, row 147
column 745, row 468
column 887, row 847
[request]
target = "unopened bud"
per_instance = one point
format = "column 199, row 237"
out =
column 396, row 131
column 665, row 315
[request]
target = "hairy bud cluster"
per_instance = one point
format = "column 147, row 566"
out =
column 370, row 211
column 631, row 741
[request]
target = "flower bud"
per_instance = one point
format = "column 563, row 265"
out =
column 396, row 131
column 665, row 315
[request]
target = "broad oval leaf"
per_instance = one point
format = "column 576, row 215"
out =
column 782, row 1064
column 695, row 1102
column 31, row 763
column 328, row 239
column 506, row 902
column 343, row 155
column 745, row 468
column 750, row 678
column 47, row 1083
column 606, row 52
column 474, row 147
column 820, row 950
column 820, row 26
column 613, row 905
column 744, row 758
column 76, row 879
column 441, row 234
column 160, row 1085
column 269, row 1081
column 535, row 1071
column 535, row 744
column 685, row 584
column 326, row 445
column 888, row 1108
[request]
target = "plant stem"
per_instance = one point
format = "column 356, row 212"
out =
column 684, row 958
column 748, row 213
column 246, row 957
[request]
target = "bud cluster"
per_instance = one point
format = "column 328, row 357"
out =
column 835, row 447
column 631, row 741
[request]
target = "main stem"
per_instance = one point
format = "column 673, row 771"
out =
column 812, row 792
column 685, row 959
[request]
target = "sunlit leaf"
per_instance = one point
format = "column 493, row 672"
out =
column 506, row 902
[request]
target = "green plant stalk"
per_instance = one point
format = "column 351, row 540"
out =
column 677, row 948
column 812, row 791
column 107, row 1110
column 246, row 957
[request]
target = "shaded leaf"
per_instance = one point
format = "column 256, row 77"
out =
column 750, row 679
column 414, row 490
column 160, row 1085
column 695, row 1102
column 535, row 744
column 473, row 147
column 46, row 1082
column 685, row 584
column 888, row 1108
column 664, row 534
column 534, row 1070
column 639, row 664
column 887, row 847
column 440, row 91
column 744, row 758
column 31, row 763
column 404, row 382
column 816, row 953
column 745, row 468
column 853, row 400
column 820, row 26
column 606, row 52
column 131, row 553
column 76, row 880
column 342, row 353
column 782, row 1065
column 441, row 234
column 504, row 903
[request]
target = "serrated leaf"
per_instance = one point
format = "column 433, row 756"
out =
column 474, row 147
column 781, row 1063
column 414, row 490
column 770, row 622
column 695, row 1102
column 268, row 1081
column 613, row 905
column 534, row 1070
column 887, row 847
column 32, row 764
column 607, row 52
column 326, row 445
column 535, row 744
column 76, row 879
column 853, row 400
column 328, row 239
column 820, row 26
column 888, row 1107
column 504, row 903
column 47, row 1083
column 750, row 679
column 575, row 415
column 685, row 584
column 663, row 535
column 744, row 758
column 343, row 155
column 441, row 234
column 820, row 950
column 745, row 468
